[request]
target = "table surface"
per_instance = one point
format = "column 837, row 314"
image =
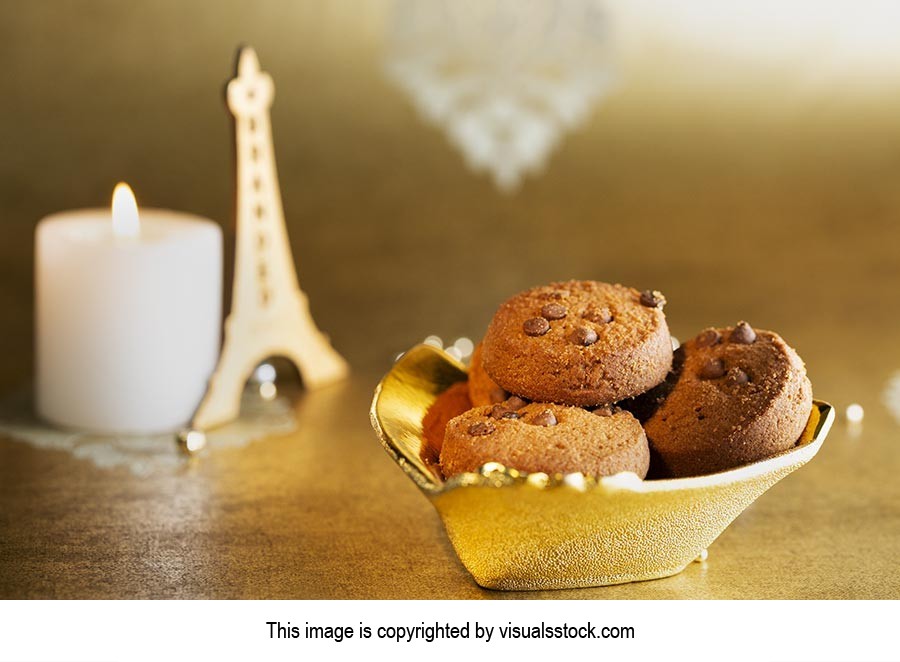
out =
column 761, row 191
column 324, row 513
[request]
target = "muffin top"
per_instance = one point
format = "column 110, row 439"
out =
column 579, row 343
column 737, row 395
column 546, row 438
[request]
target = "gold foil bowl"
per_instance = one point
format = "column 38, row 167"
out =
column 515, row 531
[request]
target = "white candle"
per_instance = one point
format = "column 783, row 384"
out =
column 128, row 316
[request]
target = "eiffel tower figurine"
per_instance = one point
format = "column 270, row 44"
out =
column 269, row 312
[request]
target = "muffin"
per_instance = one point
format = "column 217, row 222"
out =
column 739, row 395
column 580, row 343
column 547, row 438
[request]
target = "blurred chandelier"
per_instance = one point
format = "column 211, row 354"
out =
column 505, row 79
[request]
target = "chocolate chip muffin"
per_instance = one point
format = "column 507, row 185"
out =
column 546, row 438
column 482, row 389
column 579, row 343
column 738, row 395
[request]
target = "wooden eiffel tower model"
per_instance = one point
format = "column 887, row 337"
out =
column 269, row 312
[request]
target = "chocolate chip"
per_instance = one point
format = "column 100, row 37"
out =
column 737, row 376
column 743, row 334
column 708, row 338
column 598, row 316
column 536, row 326
column 498, row 395
column 481, row 429
column 652, row 299
column 500, row 411
column 584, row 336
column 554, row 311
column 712, row 369
column 545, row 419
column 606, row 410
column 515, row 402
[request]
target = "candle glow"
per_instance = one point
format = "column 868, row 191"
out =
column 125, row 219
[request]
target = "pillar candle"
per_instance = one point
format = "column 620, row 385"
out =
column 128, row 316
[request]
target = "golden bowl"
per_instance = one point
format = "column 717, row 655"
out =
column 516, row 531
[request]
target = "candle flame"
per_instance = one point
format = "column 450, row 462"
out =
column 124, row 212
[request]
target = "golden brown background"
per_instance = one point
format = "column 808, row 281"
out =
column 748, row 176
